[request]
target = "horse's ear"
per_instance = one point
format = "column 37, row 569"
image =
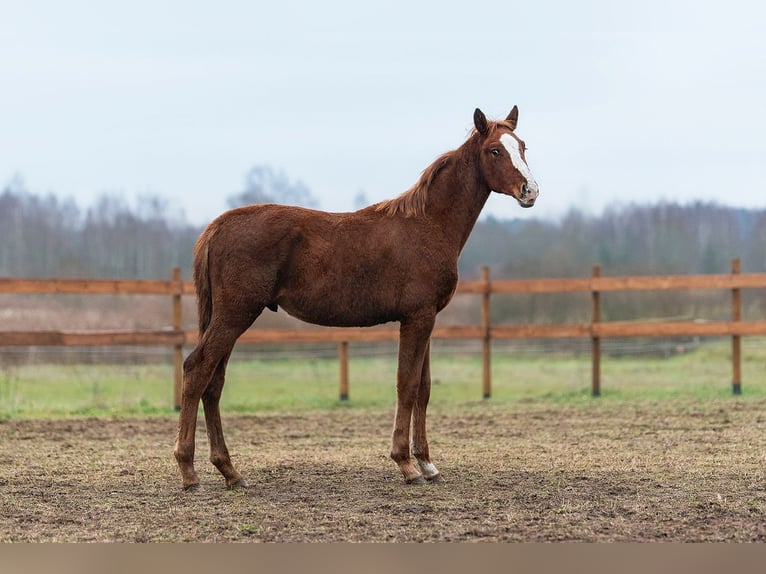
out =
column 513, row 117
column 480, row 121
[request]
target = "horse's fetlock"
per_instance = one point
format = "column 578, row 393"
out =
column 220, row 461
column 182, row 455
column 400, row 457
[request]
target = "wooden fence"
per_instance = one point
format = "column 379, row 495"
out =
column 596, row 329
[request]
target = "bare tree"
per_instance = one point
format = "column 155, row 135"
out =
column 265, row 185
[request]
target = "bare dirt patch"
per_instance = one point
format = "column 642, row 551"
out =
column 604, row 472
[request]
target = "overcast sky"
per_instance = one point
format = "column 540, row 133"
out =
column 619, row 101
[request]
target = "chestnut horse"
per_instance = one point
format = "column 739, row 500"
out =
column 392, row 261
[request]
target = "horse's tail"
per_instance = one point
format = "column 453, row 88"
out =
column 202, row 280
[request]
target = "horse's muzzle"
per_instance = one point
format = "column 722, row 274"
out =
column 527, row 197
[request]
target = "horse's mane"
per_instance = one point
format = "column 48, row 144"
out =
column 413, row 201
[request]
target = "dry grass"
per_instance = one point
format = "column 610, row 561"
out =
column 541, row 472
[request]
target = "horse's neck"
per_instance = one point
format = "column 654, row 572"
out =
column 457, row 197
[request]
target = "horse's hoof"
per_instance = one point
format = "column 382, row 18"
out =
column 194, row 487
column 417, row 480
column 238, row 484
column 436, row 478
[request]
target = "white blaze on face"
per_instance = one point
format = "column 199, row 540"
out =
column 511, row 144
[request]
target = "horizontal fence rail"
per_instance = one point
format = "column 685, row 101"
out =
column 601, row 284
column 95, row 287
column 168, row 337
column 596, row 329
column 475, row 287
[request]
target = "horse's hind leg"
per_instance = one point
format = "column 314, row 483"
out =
column 201, row 370
column 219, row 454
column 419, row 442
column 194, row 384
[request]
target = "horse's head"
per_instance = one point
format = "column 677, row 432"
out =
column 502, row 158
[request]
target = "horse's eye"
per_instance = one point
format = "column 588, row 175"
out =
column 495, row 151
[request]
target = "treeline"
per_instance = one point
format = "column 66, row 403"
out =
column 665, row 238
column 45, row 236
column 661, row 239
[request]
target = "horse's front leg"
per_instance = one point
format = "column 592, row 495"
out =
column 419, row 442
column 414, row 336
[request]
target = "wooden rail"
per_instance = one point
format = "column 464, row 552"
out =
column 596, row 329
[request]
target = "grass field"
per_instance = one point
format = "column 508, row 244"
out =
column 308, row 384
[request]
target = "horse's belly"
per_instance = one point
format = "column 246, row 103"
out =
column 340, row 312
column 370, row 292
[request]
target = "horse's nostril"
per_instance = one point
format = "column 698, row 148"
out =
column 524, row 189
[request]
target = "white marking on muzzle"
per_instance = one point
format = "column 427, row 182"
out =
column 512, row 145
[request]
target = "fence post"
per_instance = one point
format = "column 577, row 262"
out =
column 595, row 340
column 177, row 349
column 343, row 360
column 486, row 378
column 736, row 340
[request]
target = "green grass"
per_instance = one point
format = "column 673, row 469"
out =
column 299, row 385
column 84, row 390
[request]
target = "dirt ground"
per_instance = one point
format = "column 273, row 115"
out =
column 541, row 472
